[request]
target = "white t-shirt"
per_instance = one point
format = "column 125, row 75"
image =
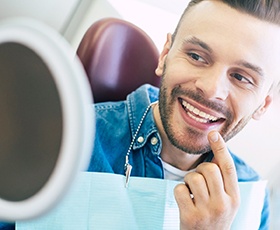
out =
column 171, row 213
column 172, row 173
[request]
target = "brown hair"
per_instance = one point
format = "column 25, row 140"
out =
column 267, row 10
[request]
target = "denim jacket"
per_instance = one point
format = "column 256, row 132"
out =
column 117, row 123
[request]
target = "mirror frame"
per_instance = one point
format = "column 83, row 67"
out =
column 78, row 115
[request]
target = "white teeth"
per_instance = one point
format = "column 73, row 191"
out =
column 201, row 120
column 202, row 116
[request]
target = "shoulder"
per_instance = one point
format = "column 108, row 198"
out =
column 110, row 117
column 144, row 94
column 108, row 109
column 244, row 171
column 114, row 115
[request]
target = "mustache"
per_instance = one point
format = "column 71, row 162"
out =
column 198, row 97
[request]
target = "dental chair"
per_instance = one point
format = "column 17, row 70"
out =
column 118, row 57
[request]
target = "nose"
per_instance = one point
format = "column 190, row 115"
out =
column 213, row 83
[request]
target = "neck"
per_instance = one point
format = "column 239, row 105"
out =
column 171, row 154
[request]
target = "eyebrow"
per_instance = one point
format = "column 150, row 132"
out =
column 251, row 66
column 196, row 41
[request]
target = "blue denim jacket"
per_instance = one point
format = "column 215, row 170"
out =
column 117, row 123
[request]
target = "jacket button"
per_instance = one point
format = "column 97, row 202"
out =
column 154, row 141
column 140, row 139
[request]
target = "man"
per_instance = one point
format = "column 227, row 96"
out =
column 218, row 71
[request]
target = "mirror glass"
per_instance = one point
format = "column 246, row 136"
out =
column 30, row 121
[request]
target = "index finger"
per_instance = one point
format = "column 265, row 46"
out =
column 225, row 162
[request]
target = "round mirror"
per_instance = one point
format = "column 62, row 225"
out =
column 46, row 118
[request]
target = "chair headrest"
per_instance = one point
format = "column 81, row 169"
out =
column 118, row 57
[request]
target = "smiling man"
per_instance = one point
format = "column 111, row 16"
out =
column 218, row 71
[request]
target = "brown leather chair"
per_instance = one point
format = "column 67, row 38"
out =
column 118, row 57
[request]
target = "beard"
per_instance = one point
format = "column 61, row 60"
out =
column 191, row 140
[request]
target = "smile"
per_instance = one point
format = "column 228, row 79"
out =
column 197, row 114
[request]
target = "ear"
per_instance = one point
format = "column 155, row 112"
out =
column 263, row 108
column 163, row 54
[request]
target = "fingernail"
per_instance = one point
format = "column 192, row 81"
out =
column 214, row 137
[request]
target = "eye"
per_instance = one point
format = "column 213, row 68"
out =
column 241, row 78
column 196, row 57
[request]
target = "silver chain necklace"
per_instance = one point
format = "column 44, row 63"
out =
column 127, row 166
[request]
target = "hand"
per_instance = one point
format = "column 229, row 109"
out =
column 214, row 188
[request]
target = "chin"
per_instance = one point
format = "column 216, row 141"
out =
column 191, row 145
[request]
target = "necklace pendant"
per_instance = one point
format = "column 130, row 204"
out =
column 127, row 174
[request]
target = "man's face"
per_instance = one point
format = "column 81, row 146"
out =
column 216, row 75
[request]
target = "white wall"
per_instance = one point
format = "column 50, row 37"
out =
column 259, row 142
column 54, row 13
column 147, row 14
column 61, row 15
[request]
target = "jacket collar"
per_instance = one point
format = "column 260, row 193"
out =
column 138, row 102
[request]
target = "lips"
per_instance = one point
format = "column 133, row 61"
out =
column 199, row 115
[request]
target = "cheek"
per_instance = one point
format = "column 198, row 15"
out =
column 243, row 107
column 179, row 73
